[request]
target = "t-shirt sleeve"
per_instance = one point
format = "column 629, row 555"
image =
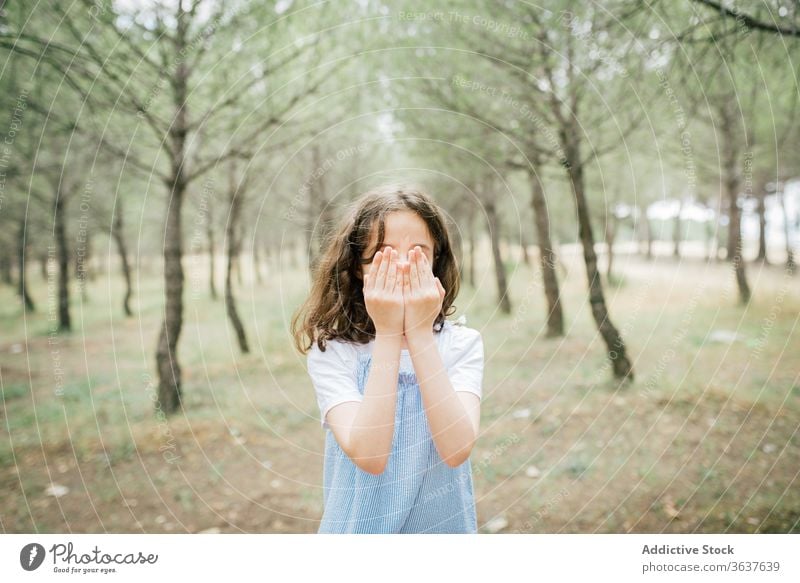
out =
column 333, row 374
column 466, row 365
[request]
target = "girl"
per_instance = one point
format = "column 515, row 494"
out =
column 398, row 385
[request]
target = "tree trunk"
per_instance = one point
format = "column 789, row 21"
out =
column 60, row 233
column 169, row 371
column 471, row 243
column 526, row 257
column 212, row 251
column 23, row 284
column 471, row 274
column 731, row 182
column 233, row 247
column 122, row 250
column 547, row 257
column 5, row 266
column 615, row 344
column 43, row 265
column 649, row 233
column 761, row 209
column 790, row 264
column 676, row 232
column 499, row 268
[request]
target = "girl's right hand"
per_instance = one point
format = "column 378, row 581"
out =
column 383, row 292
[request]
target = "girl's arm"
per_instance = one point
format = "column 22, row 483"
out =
column 453, row 416
column 364, row 429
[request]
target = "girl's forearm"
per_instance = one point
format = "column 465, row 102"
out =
column 373, row 427
column 451, row 428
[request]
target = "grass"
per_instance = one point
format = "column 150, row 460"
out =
column 704, row 440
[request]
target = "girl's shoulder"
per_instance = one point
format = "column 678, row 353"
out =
column 460, row 339
column 336, row 350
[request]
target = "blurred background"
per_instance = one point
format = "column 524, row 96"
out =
column 621, row 180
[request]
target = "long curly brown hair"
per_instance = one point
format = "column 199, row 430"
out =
column 335, row 306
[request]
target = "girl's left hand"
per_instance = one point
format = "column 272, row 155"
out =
column 422, row 294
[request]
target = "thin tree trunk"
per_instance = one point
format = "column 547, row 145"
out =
column 169, row 371
column 547, row 257
column 526, row 257
column 43, row 263
column 119, row 238
column 647, row 233
column 731, row 182
column 5, row 267
column 676, row 232
column 762, row 224
column 710, row 238
column 27, row 300
column 471, row 275
column 471, row 246
column 60, row 233
column 318, row 221
column 233, row 247
column 613, row 339
column 790, row 264
column 499, row 268
column 212, row 252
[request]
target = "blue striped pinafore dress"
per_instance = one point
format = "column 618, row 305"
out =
column 416, row 493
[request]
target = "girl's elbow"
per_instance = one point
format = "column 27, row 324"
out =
column 374, row 465
column 459, row 457
column 375, row 468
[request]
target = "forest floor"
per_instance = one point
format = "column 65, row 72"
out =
column 704, row 440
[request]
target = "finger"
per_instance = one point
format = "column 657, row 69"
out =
column 391, row 274
column 414, row 275
column 426, row 275
column 373, row 269
column 381, row 279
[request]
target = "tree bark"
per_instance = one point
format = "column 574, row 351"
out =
column 169, row 371
column 43, row 265
column 791, row 266
column 615, row 344
column 233, row 251
column 761, row 209
column 60, row 233
column 212, row 251
column 648, row 228
column 22, row 288
column 499, row 268
column 731, row 183
column 471, row 248
column 5, row 267
column 318, row 221
column 676, row 232
column 547, row 257
column 122, row 249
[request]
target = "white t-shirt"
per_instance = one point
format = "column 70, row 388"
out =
column 333, row 372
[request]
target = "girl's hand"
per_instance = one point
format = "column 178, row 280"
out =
column 422, row 293
column 383, row 293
